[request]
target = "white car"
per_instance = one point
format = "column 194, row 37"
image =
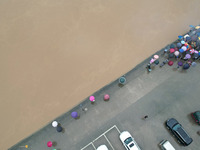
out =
column 128, row 141
column 102, row 147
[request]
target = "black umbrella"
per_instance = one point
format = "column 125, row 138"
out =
column 195, row 56
column 186, row 66
column 172, row 46
column 59, row 128
column 156, row 62
column 171, row 55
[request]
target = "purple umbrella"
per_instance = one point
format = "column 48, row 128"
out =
column 187, row 56
column 180, row 64
column 74, row 114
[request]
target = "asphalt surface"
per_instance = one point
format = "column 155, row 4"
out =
column 162, row 94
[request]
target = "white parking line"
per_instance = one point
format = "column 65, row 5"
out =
column 103, row 134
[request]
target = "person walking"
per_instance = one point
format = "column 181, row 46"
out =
column 145, row 117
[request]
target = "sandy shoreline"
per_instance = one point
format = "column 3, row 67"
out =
column 55, row 54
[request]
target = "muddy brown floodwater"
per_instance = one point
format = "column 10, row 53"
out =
column 55, row 53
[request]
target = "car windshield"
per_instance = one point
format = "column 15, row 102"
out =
column 176, row 127
column 128, row 140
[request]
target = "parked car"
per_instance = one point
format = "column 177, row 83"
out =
column 176, row 128
column 196, row 116
column 166, row 145
column 128, row 141
column 102, row 147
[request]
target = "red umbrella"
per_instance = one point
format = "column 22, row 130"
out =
column 170, row 63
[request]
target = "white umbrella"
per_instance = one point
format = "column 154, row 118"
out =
column 54, row 123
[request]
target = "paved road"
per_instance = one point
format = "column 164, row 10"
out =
column 162, row 94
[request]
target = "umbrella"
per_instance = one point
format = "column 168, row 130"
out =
column 59, row 128
column 187, row 56
column 197, row 27
column 74, row 114
column 194, row 64
column 192, row 51
column 122, row 80
column 182, row 42
column 54, row 123
column 92, row 98
column 191, row 26
column 49, row 144
column 180, row 37
column 170, row 63
column 181, row 50
column 176, row 53
column 172, row 46
column 156, row 62
column 171, row 50
column 155, row 57
column 184, row 48
column 180, row 64
column 194, row 38
column 188, row 38
column 195, row 55
column 186, row 66
column 106, row 97
column 179, row 45
column 171, row 55
column 152, row 60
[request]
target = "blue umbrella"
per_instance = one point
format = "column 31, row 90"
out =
column 74, row 114
column 188, row 38
column 180, row 37
column 179, row 45
column 191, row 26
column 122, row 80
column 181, row 50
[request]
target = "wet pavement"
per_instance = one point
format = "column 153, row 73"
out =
column 161, row 94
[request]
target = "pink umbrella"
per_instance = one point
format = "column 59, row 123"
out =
column 106, row 97
column 155, row 57
column 152, row 60
column 92, row 98
column 184, row 48
column 176, row 53
column 49, row 144
column 172, row 50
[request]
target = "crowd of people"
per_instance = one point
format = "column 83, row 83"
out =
column 185, row 51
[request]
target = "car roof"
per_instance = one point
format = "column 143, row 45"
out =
column 102, row 147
